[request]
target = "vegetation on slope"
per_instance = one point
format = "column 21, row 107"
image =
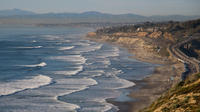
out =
column 159, row 35
column 184, row 97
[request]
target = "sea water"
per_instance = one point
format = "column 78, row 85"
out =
column 56, row 70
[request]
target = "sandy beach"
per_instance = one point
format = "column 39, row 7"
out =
column 150, row 88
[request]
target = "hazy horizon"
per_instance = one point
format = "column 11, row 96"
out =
column 140, row 7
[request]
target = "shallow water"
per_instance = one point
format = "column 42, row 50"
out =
column 55, row 69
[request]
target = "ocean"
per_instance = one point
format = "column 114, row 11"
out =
column 56, row 70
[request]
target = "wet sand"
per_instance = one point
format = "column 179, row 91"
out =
column 149, row 88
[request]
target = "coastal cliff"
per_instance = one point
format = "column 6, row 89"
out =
column 150, row 42
column 184, row 97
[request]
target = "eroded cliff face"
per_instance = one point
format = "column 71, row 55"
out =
column 156, row 34
column 124, row 39
column 141, row 48
column 122, row 34
column 168, row 36
column 130, row 40
column 153, row 35
column 142, row 34
column 91, row 34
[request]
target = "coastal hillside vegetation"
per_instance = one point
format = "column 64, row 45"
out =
column 184, row 97
column 159, row 35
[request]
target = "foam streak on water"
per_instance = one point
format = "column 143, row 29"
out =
column 46, row 98
column 71, row 58
column 42, row 64
column 30, row 47
column 66, row 48
column 72, row 72
column 19, row 85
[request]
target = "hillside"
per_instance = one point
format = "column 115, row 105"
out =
column 15, row 12
column 160, row 35
column 170, row 30
column 184, row 97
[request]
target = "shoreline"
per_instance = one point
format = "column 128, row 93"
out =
column 154, row 85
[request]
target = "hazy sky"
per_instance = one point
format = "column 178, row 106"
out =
column 143, row 7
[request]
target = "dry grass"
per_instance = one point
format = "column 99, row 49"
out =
column 184, row 97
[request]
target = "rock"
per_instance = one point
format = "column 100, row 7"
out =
column 127, row 41
column 168, row 36
column 142, row 34
column 121, row 34
column 91, row 34
column 156, row 34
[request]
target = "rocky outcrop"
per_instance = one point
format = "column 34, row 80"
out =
column 153, row 35
column 122, row 34
column 168, row 36
column 142, row 34
column 127, row 41
column 91, row 34
column 156, row 34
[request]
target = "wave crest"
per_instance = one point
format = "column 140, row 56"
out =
column 42, row 64
column 20, row 85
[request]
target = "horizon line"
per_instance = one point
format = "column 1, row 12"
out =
column 96, row 12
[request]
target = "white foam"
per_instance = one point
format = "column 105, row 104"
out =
column 105, row 61
column 42, row 64
column 89, row 48
column 45, row 99
column 78, row 81
column 71, row 58
column 125, row 83
column 69, row 106
column 94, row 73
column 73, row 72
column 34, row 41
column 97, row 47
column 38, row 46
column 82, row 44
column 105, row 108
column 109, row 84
column 72, row 85
column 35, row 47
column 51, row 37
column 66, row 48
column 114, row 52
column 114, row 82
column 19, row 85
column 66, row 41
column 108, row 106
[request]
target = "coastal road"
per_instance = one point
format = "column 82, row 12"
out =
column 192, row 64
